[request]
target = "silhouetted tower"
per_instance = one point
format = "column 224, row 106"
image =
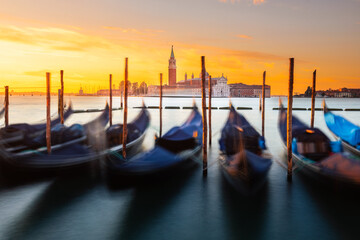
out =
column 172, row 68
column 185, row 77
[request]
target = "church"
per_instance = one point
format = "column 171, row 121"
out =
column 192, row 86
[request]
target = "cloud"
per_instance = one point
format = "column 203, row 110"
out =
column 151, row 32
column 258, row 2
column 52, row 38
column 54, row 73
column 217, row 51
column 255, row 2
column 244, row 36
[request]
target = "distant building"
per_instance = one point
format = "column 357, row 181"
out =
column 339, row 93
column 106, row 92
column 172, row 68
column 244, row 90
column 81, row 92
column 192, row 86
column 221, row 88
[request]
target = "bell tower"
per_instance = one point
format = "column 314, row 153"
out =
column 172, row 68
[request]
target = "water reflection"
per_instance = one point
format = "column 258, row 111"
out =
column 151, row 201
column 59, row 195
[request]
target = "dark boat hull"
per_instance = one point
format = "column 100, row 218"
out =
column 126, row 178
column 328, row 170
column 246, row 185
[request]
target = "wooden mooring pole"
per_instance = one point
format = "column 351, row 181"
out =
column 125, row 108
column 62, row 96
column 110, row 95
column 209, row 95
column 6, row 106
column 289, row 119
column 259, row 102
column 313, row 100
column 204, row 122
column 48, row 122
column 121, row 96
column 59, row 104
column 160, row 105
column 263, row 106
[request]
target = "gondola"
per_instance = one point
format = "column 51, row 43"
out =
column 77, row 145
column 135, row 136
column 243, row 156
column 14, row 133
column 70, row 146
column 174, row 150
column 343, row 129
column 318, row 157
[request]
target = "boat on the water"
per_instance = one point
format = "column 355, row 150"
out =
column 343, row 129
column 243, row 156
column 15, row 133
column 316, row 156
column 70, row 146
column 78, row 144
column 174, row 150
column 136, row 131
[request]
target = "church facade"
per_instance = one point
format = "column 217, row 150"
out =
column 192, row 86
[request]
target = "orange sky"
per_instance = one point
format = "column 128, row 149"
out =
column 240, row 38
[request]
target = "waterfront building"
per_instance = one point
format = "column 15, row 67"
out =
column 244, row 90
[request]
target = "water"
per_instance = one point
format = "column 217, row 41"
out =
column 185, row 206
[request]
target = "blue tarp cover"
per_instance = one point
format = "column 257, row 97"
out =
column 230, row 135
column 160, row 158
column 193, row 125
column 230, row 138
column 343, row 128
column 154, row 160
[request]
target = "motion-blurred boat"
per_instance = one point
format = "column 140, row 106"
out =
column 78, row 144
column 70, row 146
column 316, row 156
column 136, row 131
column 343, row 129
column 243, row 156
column 173, row 150
column 15, row 133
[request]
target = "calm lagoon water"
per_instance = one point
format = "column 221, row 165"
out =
column 185, row 206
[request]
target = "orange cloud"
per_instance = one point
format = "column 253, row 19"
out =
column 257, row 2
column 51, row 38
column 244, row 36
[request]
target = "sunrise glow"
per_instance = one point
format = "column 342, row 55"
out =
column 89, row 40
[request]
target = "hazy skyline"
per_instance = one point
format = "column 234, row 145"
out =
column 240, row 38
